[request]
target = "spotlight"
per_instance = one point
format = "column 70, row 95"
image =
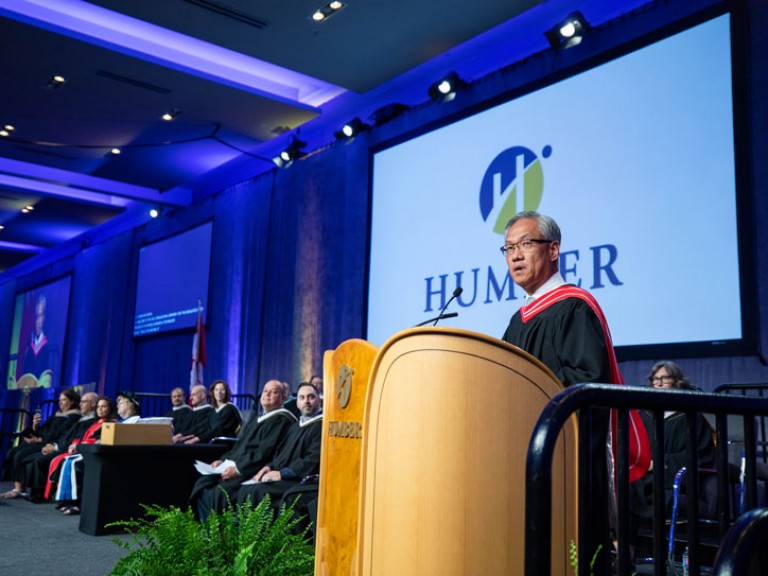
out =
column 569, row 32
column 294, row 151
column 324, row 12
column 352, row 129
column 115, row 151
column 55, row 82
column 6, row 130
column 446, row 88
column 172, row 114
column 155, row 212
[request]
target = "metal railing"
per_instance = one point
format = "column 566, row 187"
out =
column 744, row 546
column 581, row 399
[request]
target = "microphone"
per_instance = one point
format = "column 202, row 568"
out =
column 456, row 294
column 435, row 319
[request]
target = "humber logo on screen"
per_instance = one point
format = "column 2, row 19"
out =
column 514, row 181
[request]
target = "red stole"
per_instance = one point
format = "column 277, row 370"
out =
column 88, row 438
column 639, row 447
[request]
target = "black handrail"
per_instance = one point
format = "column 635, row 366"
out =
column 538, row 514
column 744, row 545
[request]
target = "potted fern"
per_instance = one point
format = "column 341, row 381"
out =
column 243, row 540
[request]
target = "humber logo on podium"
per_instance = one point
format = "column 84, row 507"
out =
column 514, row 181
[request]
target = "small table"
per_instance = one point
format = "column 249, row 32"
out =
column 119, row 479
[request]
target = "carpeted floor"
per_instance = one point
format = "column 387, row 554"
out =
column 37, row 538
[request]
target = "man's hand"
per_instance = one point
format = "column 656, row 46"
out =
column 230, row 473
column 271, row 476
column 48, row 448
column 259, row 477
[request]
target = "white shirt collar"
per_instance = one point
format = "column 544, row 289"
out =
column 555, row 281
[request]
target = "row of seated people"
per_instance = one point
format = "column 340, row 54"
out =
column 46, row 464
column 200, row 421
column 276, row 454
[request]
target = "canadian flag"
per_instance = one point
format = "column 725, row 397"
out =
column 198, row 350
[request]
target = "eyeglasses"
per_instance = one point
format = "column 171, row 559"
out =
column 524, row 245
column 659, row 379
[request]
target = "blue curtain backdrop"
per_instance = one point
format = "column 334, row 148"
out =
column 290, row 247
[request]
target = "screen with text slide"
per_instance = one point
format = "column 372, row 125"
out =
column 173, row 276
column 633, row 158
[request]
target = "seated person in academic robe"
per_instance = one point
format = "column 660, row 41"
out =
column 37, row 469
column 226, row 420
column 37, row 436
column 66, row 472
column 297, row 457
column 255, row 447
column 668, row 375
column 128, row 408
column 180, row 411
column 201, row 421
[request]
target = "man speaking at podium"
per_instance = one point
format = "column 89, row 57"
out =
column 564, row 327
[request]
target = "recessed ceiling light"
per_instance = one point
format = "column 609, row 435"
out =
column 2, row 227
column 29, row 207
column 171, row 114
column 55, row 82
column 324, row 12
column 115, row 151
column 24, row 211
column 4, row 133
column 9, row 127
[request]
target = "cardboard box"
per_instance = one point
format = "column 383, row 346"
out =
column 114, row 434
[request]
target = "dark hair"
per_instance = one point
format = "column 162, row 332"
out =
column 112, row 407
column 72, row 395
column 307, row 384
column 680, row 381
column 227, row 397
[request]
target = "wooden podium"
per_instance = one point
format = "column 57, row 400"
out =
column 433, row 468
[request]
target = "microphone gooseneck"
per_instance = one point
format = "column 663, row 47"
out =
column 456, row 294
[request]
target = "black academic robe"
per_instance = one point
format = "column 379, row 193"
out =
column 54, row 428
column 568, row 337
column 200, row 422
column 255, row 447
column 180, row 415
column 297, row 457
column 225, row 421
column 37, row 469
column 675, row 458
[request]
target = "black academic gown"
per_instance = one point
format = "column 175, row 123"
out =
column 225, row 421
column 200, row 422
column 54, row 428
column 569, row 339
column 297, row 457
column 675, row 458
column 255, row 447
column 37, row 470
column 180, row 415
